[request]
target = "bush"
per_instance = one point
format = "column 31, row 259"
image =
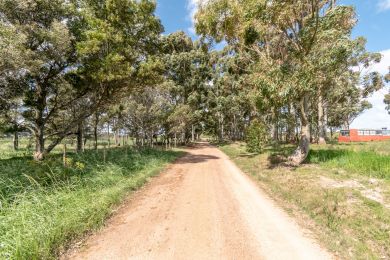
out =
column 256, row 136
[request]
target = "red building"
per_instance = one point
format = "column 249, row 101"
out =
column 359, row 135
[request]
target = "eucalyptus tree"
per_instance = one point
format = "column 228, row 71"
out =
column 187, row 68
column 145, row 114
column 228, row 105
column 292, row 46
column 387, row 96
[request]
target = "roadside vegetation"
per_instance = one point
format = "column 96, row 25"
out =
column 76, row 72
column 342, row 192
column 45, row 205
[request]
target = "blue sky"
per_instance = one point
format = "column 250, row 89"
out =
column 373, row 23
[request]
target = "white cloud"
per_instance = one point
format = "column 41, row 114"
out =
column 384, row 5
column 377, row 117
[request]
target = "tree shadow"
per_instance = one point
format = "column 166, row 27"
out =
column 279, row 158
column 325, row 155
column 248, row 155
column 195, row 158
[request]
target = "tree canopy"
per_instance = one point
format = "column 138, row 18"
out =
column 86, row 68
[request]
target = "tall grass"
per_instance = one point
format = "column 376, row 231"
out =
column 45, row 205
column 366, row 163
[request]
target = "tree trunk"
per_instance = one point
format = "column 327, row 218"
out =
column 16, row 140
column 39, row 144
column 333, row 3
column 40, row 123
column 193, row 133
column 321, row 120
column 302, row 151
column 290, row 138
column 275, row 126
column 95, row 131
column 80, row 137
column 108, row 135
column 117, row 138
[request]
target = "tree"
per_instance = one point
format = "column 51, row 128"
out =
column 49, row 42
column 292, row 47
column 11, row 121
column 387, row 96
column 83, row 55
column 187, row 72
column 256, row 136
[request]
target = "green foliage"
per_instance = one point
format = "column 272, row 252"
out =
column 387, row 102
column 387, row 96
column 257, row 136
column 73, row 58
column 291, row 54
column 44, row 205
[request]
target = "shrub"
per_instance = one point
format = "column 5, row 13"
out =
column 256, row 136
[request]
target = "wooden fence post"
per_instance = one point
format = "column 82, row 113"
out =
column 104, row 153
column 64, row 156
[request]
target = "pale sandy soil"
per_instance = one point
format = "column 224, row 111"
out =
column 201, row 207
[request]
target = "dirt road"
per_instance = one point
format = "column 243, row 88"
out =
column 202, row 207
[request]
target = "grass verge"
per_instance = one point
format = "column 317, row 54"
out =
column 334, row 195
column 46, row 205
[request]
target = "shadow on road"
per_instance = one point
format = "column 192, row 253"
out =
column 196, row 158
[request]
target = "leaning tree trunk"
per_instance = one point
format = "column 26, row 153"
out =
column 302, row 151
column 16, row 140
column 321, row 120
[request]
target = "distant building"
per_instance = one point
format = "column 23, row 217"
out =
column 364, row 135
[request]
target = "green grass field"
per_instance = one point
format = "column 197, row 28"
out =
column 44, row 206
column 342, row 193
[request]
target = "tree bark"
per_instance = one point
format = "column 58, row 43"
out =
column 80, row 137
column 16, row 140
column 108, row 134
column 40, row 123
column 275, row 126
column 290, row 138
column 193, row 133
column 95, row 131
column 39, row 144
column 302, row 151
column 321, row 120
